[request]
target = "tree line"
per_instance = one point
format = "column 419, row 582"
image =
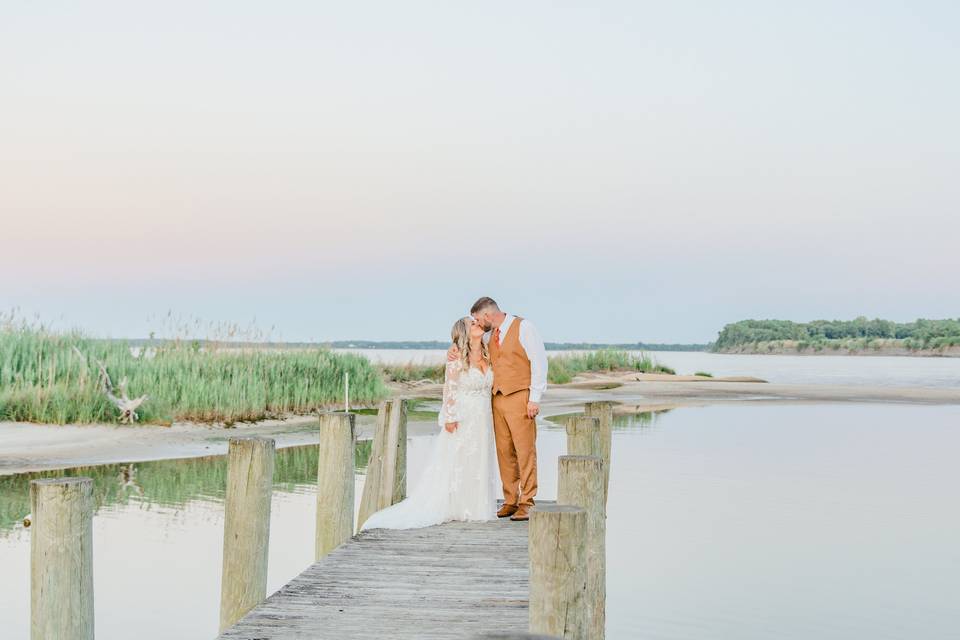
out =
column 920, row 333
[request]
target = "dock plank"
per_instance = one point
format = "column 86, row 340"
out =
column 450, row 581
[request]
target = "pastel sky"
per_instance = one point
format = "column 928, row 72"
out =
column 615, row 171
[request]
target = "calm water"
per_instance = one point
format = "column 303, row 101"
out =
column 885, row 371
column 833, row 521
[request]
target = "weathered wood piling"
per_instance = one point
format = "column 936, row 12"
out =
column 61, row 559
column 557, row 546
column 603, row 410
column 246, row 527
column 580, row 484
column 397, row 441
column 335, row 482
column 386, row 481
column 583, row 436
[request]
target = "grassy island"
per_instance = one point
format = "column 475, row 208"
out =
column 562, row 369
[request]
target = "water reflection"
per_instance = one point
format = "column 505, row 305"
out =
column 621, row 422
column 735, row 521
column 165, row 483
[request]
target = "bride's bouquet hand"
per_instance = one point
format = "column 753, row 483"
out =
column 451, row 426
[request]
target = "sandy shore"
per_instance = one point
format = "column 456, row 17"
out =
column 31, row 447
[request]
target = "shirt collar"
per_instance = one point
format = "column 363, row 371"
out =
column 505, row 326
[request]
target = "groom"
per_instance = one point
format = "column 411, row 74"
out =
column 519, row 363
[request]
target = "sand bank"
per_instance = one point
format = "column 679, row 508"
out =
column 32, row 447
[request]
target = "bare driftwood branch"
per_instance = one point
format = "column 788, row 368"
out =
column 128, row 408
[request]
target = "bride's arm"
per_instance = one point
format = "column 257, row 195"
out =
column 449, row 418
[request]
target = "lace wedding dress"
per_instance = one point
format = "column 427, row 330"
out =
column 460, row 481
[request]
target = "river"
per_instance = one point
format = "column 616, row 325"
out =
column 884, row 371
column 740, row 521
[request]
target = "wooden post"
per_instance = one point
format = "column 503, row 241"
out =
column 398, row 444
column 583, row 436
column 335, row 481
column 246, row 527
column 580, row 483
column 386, row 481
column 558, row 571
column 61, row 559
column 604, row 411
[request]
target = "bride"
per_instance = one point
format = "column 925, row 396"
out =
column 460, row 479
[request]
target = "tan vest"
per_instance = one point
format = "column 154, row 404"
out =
column 511, row 366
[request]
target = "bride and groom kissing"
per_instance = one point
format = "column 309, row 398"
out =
column 495, row 376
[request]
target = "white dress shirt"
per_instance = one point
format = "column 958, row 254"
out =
column 532, row 343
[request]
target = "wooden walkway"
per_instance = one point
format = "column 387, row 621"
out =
column 455, row 580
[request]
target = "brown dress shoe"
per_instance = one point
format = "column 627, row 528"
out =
column 507, row 510
column 523, row 513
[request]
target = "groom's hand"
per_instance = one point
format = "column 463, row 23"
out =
column 453, row 353
column 451, row 426
column 532, row 409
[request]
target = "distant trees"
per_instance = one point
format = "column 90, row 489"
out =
column 919, row 334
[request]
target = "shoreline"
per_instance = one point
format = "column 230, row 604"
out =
column 790, row 349
column 28, row 447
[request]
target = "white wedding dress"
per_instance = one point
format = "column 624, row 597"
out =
column 460, row 480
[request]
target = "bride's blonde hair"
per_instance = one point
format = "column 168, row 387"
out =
column 460, row 335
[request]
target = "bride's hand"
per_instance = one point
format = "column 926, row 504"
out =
column 451, row 426
column 453, row 353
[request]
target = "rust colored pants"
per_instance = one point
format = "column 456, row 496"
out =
column 516, row 438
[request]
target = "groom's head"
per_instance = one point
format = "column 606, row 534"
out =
column 485, row 311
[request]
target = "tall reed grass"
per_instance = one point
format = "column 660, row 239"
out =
column 54, row 378
column 413, row 372
column 563, row 369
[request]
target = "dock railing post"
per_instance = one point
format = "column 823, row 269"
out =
column 604, row 411
column 398, row 444
column 335, row 481
column 580, row 483
column 558, row 571
column 61, row 559
column 246, row 527
column 386, row 481
column 583, row 436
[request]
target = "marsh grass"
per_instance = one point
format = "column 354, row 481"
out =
column 412, row 372
column 563, row 369
column 849, row 345
column 54, row 378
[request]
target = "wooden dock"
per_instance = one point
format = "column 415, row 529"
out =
column 455, row 580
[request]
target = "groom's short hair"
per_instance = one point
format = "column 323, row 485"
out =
column 483, row 304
